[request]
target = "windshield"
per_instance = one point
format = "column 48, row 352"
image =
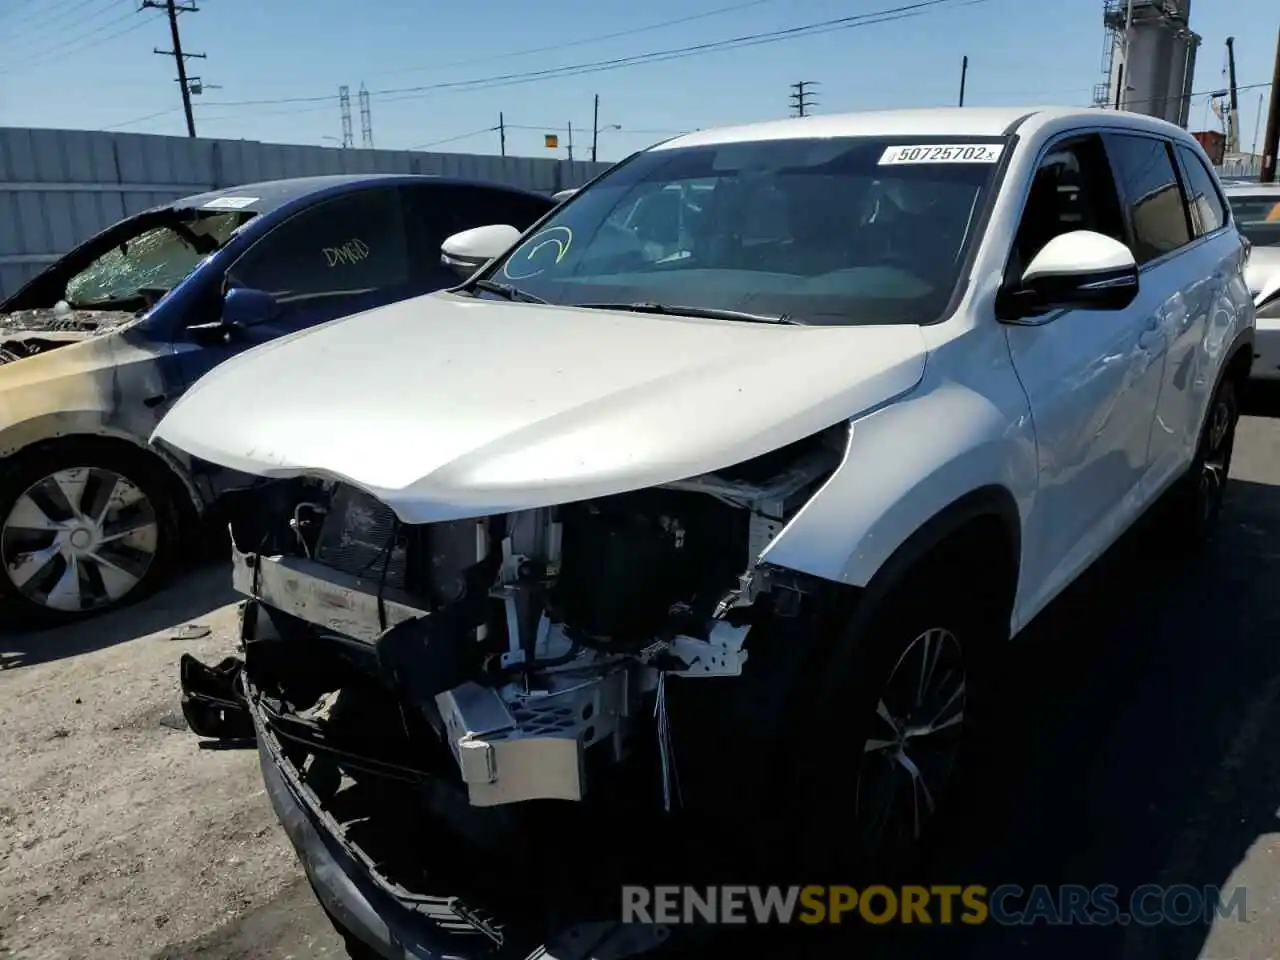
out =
column 1258, row 217
column 829, row 231
column 146, row 266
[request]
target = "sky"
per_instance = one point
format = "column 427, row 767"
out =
column 89, row 64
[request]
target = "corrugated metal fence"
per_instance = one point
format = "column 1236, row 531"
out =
column 59, row 187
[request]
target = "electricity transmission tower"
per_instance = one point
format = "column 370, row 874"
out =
column 801, row 101
column 172, row 8
column 366, row 120
column 344, row 101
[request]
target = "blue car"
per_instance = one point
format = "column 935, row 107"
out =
column 94, row 351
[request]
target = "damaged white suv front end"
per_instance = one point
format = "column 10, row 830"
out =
column 564, row 622
column 633, row 539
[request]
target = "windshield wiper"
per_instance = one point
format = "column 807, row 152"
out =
column 701, row 313
column 506, row 291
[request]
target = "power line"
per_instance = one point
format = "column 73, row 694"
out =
column 454, row 139
column 39, row 9
column 598, row 38
column 61, row 49
column 136, row 120
column 53, row 16
column 889, row 15
column 662, row 56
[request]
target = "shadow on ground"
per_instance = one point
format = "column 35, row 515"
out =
column 1137, row 742
column 192, row 595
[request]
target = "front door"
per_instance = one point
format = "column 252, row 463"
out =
column 1092, row 377
column 337, row 257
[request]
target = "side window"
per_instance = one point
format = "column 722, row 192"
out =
column 1073, row 189
column 1144, row 166
column 1208, row 209
column 345, row 247
column 439, row 211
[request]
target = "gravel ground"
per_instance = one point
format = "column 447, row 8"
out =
column 1142, row 745
column 119, row 836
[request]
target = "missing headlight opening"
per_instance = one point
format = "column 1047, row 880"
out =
column 519, row 657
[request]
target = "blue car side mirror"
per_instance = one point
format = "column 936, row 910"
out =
column 245, row 307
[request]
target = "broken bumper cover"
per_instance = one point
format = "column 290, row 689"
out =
column 424, row 928
column 536, row 751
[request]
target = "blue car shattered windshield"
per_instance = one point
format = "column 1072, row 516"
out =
column 157, row 259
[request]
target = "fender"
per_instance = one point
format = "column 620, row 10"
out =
column 69, row 424
column 966, row 450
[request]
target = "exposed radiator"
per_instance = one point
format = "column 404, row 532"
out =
column 359, row 536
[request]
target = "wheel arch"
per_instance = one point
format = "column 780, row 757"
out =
column 68, row 430
column 982, row 525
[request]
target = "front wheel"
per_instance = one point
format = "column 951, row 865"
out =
column 84, row 527
column 893, row 730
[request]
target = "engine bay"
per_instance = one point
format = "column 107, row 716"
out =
column 523, row 650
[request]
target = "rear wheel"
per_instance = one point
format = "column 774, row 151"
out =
column 1196, row 501
column 84, row 527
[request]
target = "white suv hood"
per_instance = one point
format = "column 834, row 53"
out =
column 447, row 407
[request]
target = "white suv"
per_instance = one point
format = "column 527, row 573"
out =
column 721, row 482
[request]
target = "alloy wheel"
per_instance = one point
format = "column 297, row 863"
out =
column 914, row 743
column 1213, row 467
column 79, row 539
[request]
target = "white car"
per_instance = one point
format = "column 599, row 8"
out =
column 707, row 500
column 1256, row 208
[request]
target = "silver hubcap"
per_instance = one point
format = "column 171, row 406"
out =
column 79, row 539
column 915, row 740
column 1213, row 473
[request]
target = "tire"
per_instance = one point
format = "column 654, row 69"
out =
column 86, row 526
column 869, row 736
column 1195, row 502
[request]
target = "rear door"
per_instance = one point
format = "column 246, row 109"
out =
column 1175, row 277
column 1205, row 271
column 337, row 257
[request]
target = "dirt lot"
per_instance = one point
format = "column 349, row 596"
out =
column 119, row 836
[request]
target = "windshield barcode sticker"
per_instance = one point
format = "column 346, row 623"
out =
column 943, row 153
column 230, row 203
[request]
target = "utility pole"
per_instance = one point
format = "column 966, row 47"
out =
column 344, row 101
column 502, row 135
column 366, row 120
column 172, row 8
column 595, row 127
column 964, row 72
column 1121, row 99
column 800, row 95
column 1257, row 125
column 571, row 140
column 1271, row 142
column 1233, row 116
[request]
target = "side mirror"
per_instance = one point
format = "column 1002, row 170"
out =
column 1080, row 270
column 242, row 307
column 245, row 307
column 468, row 251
